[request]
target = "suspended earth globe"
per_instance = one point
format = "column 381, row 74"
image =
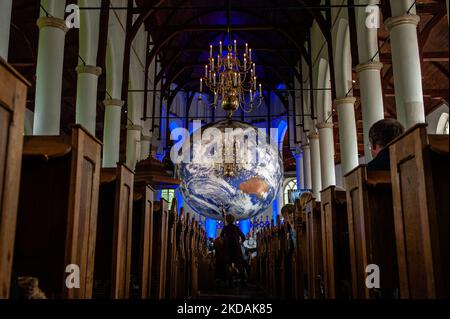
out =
column 232, row 165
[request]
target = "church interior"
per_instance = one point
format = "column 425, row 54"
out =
column 257, row 149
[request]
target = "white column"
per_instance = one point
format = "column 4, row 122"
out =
column 88, row 73
column 49, row 70
column 371, row 99
column 407, row 72
column 133, row 150
column 326, row 143
column 86, row 106
column 316, row 179
column 298, row 155
column 5, row 24
column 307, row 166
column 111, row 132
column 348, row 139
column 300, row 172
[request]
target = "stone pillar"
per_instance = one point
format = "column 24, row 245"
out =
column 307, row 166
column 299, row 169
column 326, row 143
column 316, row 179
column 133, row 150
column 88, row 73
column 86, row 106
column 347, row 133
column 111, row 132
column 49, row 70
column 371, row 99
column 5, row 24
column 407, row 72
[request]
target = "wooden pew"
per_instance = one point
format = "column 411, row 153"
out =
column 420, row 187
column 114, row 234
column 336, row 256
column 142, row 236
column 172, row 259
column 280, row 259
column 206, row 265
column 13, row 94
column 299, row 259
column 181, row 276
column 273, row 247
column 159, row 259
column 314, row 247
column 187, row 250
column 371, row 231
column 57, row 215
column 194, row 259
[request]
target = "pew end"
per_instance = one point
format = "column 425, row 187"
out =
column 419, row 164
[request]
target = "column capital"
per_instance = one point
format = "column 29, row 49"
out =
column 134, row 127
column 369, row 66
column 313, row 136
column 324, row 125
column 392, row 22
column 53, row 22
column 306, row 147
column 345, row 100
column 146, row 138
column 92, row 69
column 113, row 102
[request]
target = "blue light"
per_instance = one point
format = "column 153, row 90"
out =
column 275, row 211
column 180, row 199
column 281, row 86
column 244, row 225
column 210, row 227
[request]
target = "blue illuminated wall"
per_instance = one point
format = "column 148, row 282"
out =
column 244, row 225
column 211, row 228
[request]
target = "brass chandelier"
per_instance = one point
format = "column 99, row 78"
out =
column 233, row 83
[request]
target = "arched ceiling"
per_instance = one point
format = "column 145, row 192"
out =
column 182, row 32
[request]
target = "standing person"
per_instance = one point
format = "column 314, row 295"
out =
column 232, row 236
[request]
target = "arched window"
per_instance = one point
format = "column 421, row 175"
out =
column 442, row 126
column 288, row 189
column 168, row 195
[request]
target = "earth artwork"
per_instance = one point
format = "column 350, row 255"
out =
column 245, row 193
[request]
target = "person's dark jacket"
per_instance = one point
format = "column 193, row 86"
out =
column 381, row 162
column 231, row 235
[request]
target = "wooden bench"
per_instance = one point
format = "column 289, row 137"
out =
column 114, row 234
column 206, row 265
column 371, row 231
column 57, row 215
column 13, row 95
column 299, row 259
column 181, row 271
column 142, row 236
column 314, row 248
column 160, row 238
column 172, row 258
column 420, row 187
column 336, row 257
column 194, row 259
column 187, row 251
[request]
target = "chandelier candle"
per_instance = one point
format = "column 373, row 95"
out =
column 233, row 83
